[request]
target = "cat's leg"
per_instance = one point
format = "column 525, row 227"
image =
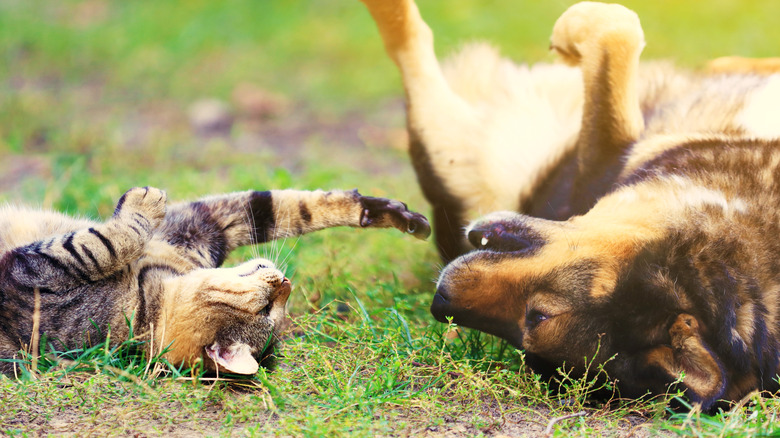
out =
column 86, row 255
column 8, row 349
column 208, row 229
column 605, row 40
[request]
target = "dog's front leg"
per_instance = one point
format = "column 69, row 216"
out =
column 605, row 40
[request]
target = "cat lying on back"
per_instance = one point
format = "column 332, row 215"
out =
column 160, row 270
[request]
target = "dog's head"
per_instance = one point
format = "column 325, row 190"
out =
column 572, row 291
column 529, row 284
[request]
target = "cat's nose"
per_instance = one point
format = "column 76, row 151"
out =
column 283, row 289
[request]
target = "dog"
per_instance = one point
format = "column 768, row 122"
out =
column 634, row 205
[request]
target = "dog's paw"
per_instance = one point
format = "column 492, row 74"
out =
column 589, row 28
column 382, row 213
column 683, row 329
column 504, row 232
column 143, row 205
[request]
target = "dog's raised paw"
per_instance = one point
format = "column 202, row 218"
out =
column 588, row 27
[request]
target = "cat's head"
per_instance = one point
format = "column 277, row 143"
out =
column 228, row 317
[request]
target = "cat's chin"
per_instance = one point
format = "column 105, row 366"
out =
column 270, row 356
column 282, row 325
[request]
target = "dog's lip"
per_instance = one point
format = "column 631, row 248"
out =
column 439, row 306
column 441, row 299
column 442, row 293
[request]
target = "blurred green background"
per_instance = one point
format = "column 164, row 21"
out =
column 90, row 77
column 97, row 95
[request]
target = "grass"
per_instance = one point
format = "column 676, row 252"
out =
column 94, row 97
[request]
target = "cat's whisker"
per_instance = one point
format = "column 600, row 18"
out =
column 249, row 220
column 280, row 244
column 283, row 264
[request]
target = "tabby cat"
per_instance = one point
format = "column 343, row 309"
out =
column 161, row 270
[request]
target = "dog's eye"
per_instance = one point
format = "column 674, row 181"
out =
column 534, row 318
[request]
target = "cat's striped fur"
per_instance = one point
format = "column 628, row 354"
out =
column 159, row 267
column 647, row 238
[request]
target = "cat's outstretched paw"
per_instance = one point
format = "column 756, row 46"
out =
column 382, row 212
column 145, row 205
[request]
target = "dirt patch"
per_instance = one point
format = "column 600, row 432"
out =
column 15, row 170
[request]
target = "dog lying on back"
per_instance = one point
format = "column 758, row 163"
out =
column 644, row 203
column 158, row 267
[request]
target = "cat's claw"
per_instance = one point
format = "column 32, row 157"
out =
column 382, row 212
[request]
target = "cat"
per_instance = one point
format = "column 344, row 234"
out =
column 159, row 268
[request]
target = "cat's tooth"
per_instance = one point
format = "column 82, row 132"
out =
column 484, row 241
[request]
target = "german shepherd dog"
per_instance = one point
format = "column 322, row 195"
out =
column 643, row 203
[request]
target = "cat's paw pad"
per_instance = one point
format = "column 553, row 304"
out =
column 381, row 212
column 588, row 28
column 148, row 202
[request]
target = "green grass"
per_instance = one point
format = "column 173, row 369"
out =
column 93, row 100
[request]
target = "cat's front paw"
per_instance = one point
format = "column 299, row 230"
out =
column 142, row 204
column 381, row 212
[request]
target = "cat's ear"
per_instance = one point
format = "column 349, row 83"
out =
column 237, row 358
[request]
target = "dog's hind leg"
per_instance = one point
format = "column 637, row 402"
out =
column 444, row 129
column 605, row 40
column 740, row 65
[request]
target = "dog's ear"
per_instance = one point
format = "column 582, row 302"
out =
column 689, row 357
column 507, row 232
column 236, row 358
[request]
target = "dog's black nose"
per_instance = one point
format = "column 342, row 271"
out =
column 441, row 306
